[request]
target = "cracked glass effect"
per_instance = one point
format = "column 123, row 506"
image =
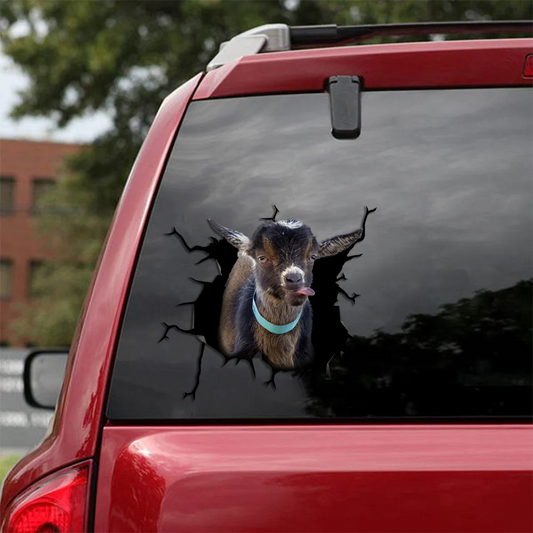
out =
column 433, row 321
column 207, row 307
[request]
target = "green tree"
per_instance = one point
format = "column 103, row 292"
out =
column 124, row 57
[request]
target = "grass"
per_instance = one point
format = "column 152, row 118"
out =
column 6, row 462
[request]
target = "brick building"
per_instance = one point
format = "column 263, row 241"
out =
column 28, row 169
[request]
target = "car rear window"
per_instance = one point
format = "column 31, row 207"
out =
column 432, row 321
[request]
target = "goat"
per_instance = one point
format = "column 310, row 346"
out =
column 265, row 307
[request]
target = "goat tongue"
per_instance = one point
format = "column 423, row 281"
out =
column 308, row 291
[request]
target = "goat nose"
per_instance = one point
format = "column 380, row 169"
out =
column 293, row 278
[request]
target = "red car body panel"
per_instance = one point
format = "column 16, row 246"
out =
column 80, row 410
column 315, row 478
column 400, row 66
column 286, row 478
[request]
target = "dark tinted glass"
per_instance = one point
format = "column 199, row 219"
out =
column 433, row 320
column 41, row 188
column 7, row 195
column 6, row 278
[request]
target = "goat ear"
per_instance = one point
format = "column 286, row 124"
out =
column 235, row 238
column 338, row 244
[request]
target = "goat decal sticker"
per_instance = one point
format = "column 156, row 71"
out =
column 264, row 302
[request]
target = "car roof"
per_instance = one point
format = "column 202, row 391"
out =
column 281, row 37
column 433, row 64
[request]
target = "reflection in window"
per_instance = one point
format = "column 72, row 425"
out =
column 6, row 278
column 473, row 356
column 36, row 286
column 7, row 195
column 41, row 188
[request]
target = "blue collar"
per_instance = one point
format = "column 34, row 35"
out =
column 273, row 328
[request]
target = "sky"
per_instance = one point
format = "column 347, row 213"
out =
column 13, row 80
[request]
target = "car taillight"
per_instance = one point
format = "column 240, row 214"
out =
column 54, row 505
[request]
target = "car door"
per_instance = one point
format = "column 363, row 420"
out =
column 413, row 415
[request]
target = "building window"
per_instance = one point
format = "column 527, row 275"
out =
column 7, row 195
column 6, row 278
column 41, row 187
column 35, row 285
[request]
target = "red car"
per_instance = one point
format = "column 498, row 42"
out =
column 240, row 366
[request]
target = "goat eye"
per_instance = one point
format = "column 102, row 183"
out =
column 262, row 259
column 313, row 257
